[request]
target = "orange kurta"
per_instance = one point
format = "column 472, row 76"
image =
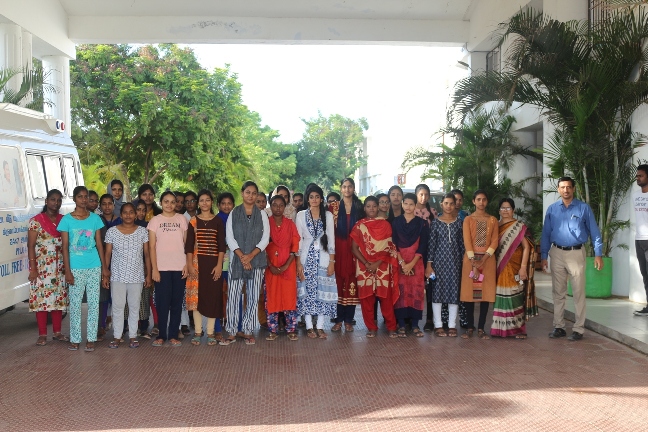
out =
column 281, row 290
column 480, row 236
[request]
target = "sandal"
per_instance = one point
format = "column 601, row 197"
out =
column 467, row 334
column 249, row 340
column 89, row 347
column 195, row 341
column 372, row 334
column 218, row 336
column 348, row 327
column 60, row 337
column 73, row 346
column 440, row 332
column 272, row 336
column 158, row 342
column 393, row 335
column 417, row 332
column 311, row 333
column 134, row 343
column 240, row 335
column 227, row 341
column 155, row 331
column 452, row 332
column 114, row 344
column 293, row 336
column 100, row 334
column 175, row 342
column 521, row 336
column 337, row 327
column 211, row 340
column 146, row 335
column 401, row 332
column 481, row 334
column 42, row 341
column 321, row 334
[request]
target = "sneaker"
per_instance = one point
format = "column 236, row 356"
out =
column 558, row 333
column 575, row 336
column 642, row 312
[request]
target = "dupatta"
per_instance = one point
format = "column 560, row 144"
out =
column 511, row 235
column 48, row 226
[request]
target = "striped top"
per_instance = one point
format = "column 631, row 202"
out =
column 207, row 236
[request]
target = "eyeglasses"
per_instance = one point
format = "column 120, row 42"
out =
column 93, row 200
column 190, row 201
column 505, row 209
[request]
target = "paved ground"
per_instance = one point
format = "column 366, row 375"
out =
column 344, row 383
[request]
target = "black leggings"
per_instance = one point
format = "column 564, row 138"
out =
column 470, row 314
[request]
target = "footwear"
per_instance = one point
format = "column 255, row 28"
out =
column 211, row 340
column 114, row 344
column 428, row 327
column 348, row 327
column 467, row 334
column 481, row 334
column 195, row 341
column 249, row 340
column 227, row 341
column 185, row 330
column 642, row 312
column 575, row 336
column 321, row 334
column 452, row 332
column 60, row 337
column 100, row 334
column 402, row 332
column 155, row 331
column 180, row 335
column 417, row 332
column 337, row 327
column 293, row 336
column 371, row 334
column 393, row 335
column 89, row 347
column 146, row 335
column 311, row 333
column 557, row 333
column 353, row 322
column 134, row 343
column 158, row 342
column 440, row 332
column 42, row 341
column 272, row 336
column 520, row 336
column 73, row 346
column 175, row 342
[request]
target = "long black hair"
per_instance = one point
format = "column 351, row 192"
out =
column 143, row 188
column 427, row 203
column 207, row 192
column 316, row 189
column 357, row 212
column 49, row 195
column 390, row 215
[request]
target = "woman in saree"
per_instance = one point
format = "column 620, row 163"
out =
column 513, row 253
column 377, row 268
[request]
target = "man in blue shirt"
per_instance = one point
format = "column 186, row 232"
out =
column 567, row 226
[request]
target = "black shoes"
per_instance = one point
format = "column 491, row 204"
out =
column 642, row 312
column 575, row 336
column 558, row 333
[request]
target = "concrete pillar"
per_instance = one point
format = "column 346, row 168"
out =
column 11, row 52
column 27, row 61
column 57, row 69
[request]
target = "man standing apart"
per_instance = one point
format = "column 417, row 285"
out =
column 640, row 201
column 568, row 223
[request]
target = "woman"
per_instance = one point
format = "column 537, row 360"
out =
column 290, row 211
column 205, row 249
column 423, row 209
column 377, row 270
column 47, row 290
column 317, row 289
column 410, row 234
column 247, row 234
column 480, row 232
column 395, row 194
column 146, row 300
column 513, row 257
column 383, row 205
column 281, row 276
column 167, row 236
column 345, row 215
column 107, row 207
column 225, row 203
column 445, row 252
column 146, row 193
column 83, row 259
column 127, row 252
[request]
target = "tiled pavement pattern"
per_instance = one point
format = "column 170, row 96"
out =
column 346, row 383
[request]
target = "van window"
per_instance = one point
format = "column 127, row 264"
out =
column 45, row 174
column 12, row 183
column 70, row 175
column 37, row 176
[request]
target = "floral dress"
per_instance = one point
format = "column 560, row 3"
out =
column 49, row 291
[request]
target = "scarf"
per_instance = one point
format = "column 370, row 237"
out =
column 48, row 226
column 405, row 234
column 282, row 237
column 342, row 230
column 248, row 233
column 510, row 237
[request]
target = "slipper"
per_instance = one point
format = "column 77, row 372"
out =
column 371, row 334
column 272, row 336
column 42, row 341
column 227, row 341
column 114, row 344
column 401, row 332
column 452, row 332
column 467, row 334
column 249, row 340
column 89, row 347
column 521, row 336
column 133, row 344
column 195, row 341
column 337, row 327
column 293, row 336
column 311, row 333
column 155, row 331
column 73, row 346
column 481, row 334
column 439, row 332
column 348, row 328
column 60, row 337
column 175, row 342
column 158, row 342
column 417, row 332
column 211, row 340
column 321, row 334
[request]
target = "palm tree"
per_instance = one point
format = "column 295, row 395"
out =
column 33, row 89
column 587, row 79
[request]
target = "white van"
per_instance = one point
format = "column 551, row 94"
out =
column 36, row 155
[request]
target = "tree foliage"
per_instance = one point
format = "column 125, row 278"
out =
column 329, row 151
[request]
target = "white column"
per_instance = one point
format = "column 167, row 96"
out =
column 11, row 51
column 57, row 69
column 27, row 62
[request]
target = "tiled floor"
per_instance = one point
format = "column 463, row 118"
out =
column 344, row 383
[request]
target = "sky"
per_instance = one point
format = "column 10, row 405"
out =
column 401, row 91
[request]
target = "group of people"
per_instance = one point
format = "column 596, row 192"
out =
column 283, row 260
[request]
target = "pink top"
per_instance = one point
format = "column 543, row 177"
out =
column 169, row 241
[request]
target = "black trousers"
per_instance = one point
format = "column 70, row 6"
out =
column 470, row 315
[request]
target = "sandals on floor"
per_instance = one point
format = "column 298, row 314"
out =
column 272, row 336
column 467, row 334
column 73, row 346
column 520, row 336
column 311, row 333
column 175, row 342
column 227, row 341
column 155, row 331
column 321, row 334
column 401, row 332
column 393, row 335
column 114, row 344
column 372, row 334
column 417, row 332
column 293, row 336
column 211, row 340
column 440, row 332
column 481, row 334
column 60, row 337
column 158, row 342
column 337, row 327
column 42, row 341
column 134, row 343
column 89, row 347
column 452, row 332
column 195, row 341
column 348, row 327
column 218, row 336
column 249, row 340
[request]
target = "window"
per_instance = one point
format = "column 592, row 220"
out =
column 37, row 176
column 53, row 174
column 70, row 175
column 45, row 174
column 493, row 60
column 12, row 183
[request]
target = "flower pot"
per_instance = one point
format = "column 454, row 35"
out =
column 598, row 283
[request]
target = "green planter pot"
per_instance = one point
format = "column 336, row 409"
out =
column 598, row 283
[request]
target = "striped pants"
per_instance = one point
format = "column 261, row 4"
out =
column 235, row 296
column 87, row 280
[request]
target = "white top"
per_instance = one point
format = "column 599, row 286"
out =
column 127, row 261
column 307, row 238
column 187, row 216
column 640, row 201
column 232, row 244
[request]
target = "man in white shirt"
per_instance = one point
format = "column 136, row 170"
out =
column 640, row 203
